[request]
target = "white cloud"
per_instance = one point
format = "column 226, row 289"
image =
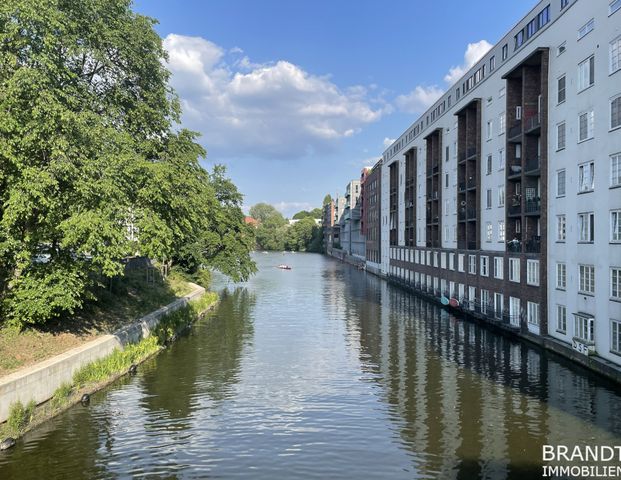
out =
column 273, row 110
column 419, row 99
column 473, row 54
column 388, row 142
column 291, row 208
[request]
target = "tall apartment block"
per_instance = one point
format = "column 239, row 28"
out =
column 504, row 197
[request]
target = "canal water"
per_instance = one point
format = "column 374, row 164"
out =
column 325, row 371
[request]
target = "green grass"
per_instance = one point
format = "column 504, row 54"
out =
column 117, row 363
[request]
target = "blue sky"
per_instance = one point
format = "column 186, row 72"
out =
column 295, row 97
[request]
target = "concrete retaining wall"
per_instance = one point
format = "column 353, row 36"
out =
column 40, row 381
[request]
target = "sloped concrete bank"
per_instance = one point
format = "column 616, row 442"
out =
column 40, row 381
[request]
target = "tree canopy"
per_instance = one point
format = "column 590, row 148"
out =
column 93, row 168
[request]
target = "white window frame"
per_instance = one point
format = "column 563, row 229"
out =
column 586, row 177
column 614, row 55
column 514, row 273
column 586, row 224
column 561, row 228
column 484, row 265
column 532, row 272
column 615, row 170
column 615, row 283
column 501, row 230
column 615, row 225
column 586, row 279
column 460, row 262
column 586, row 74
column 561, row 318
column 472, row 264
column 561, row 275
column 498, row 267
column 615, row 334
column 614, row 99
column 584, row 328
column 561, row 127
column 585, row 29
column 589, row 118
column 532, row 310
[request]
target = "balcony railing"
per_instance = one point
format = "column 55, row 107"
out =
column 533, row 245
column 462, row 214
column 533, row 123
column 515, row 209
column 533, row 205
column 472, row 182
column 515, row 170
column 472, row 213
column 470, row 152
column 514, row 246
column 515, row 130
column 462, row 187
column 532, row 165
column 472, row 245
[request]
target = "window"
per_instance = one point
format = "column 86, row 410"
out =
column 489, row 232
column 615, row 226
column 561, row 90
column 615, row 283
column 451, row 261
column 561, row 228
column 614, row 54
column 561, row 276
column 561, row 318
column 489, row 165
column 615, row 170
column 484, row 262
column 472, row 264
column 484, row 300
column 501, row 195
column 587, row 279
column 586, row 175
column 492, row 63
column 586, row 228
column 560, row 136
column 501, row 124
column 519, row 39
column 472, row 295
column 490, row 128
column 532, row 272
column 488, row 198
column 584, row 327
column 501, row 230
column 460, row 262
column 614, row 6
column 514, row 311
column 564, row 3
column 615, row 112
column 560, row 183
column 501, row 92
column 498, row 266
column 533, row 313
column 514, row 269
column 586, row 121
column 586, row 73
column 501, row 159
column 498, row 305
column 561, row 49
column 505, row 52
column 518, row 150
column 586, row 28
column 615, row 329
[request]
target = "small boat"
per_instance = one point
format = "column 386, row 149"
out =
column 282, row 266
column 444, row 300
column 453, row 302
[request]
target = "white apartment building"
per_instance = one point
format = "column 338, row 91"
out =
column 504, row 197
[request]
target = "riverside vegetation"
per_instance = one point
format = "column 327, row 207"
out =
column 94, row 167
column 98, row 373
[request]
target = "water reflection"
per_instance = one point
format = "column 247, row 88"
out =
column 328, row 372
column 471, row 403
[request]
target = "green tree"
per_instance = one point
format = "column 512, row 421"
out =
column 316, row 213
column 88, row 157
column 327, row 199
column 264, row 211
column 300, row 215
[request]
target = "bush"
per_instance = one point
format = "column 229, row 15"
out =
column 20, row 416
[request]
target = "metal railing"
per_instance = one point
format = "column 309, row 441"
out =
column 515, row 130
column 532, row 164
column 533, row 205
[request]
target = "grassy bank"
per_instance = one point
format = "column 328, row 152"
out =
column 97, row 374
column 120, row 302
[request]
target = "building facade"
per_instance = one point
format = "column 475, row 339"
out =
column 489, row 199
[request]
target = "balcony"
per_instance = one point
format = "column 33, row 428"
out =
column 462, row 214
column 533, row 125
column 472, row 183
column 533, row 206
column 471, row 152
column 515, row 132
column 515, row 208
column 533, row 245
column 462, row 187
column 533, row 166
column 471, row 214
column 472, row 245
column 515, row 171
column 514, row 246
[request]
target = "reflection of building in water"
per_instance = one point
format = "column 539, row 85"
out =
column 470, row 403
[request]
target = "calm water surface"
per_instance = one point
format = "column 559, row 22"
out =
column 327, row 372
